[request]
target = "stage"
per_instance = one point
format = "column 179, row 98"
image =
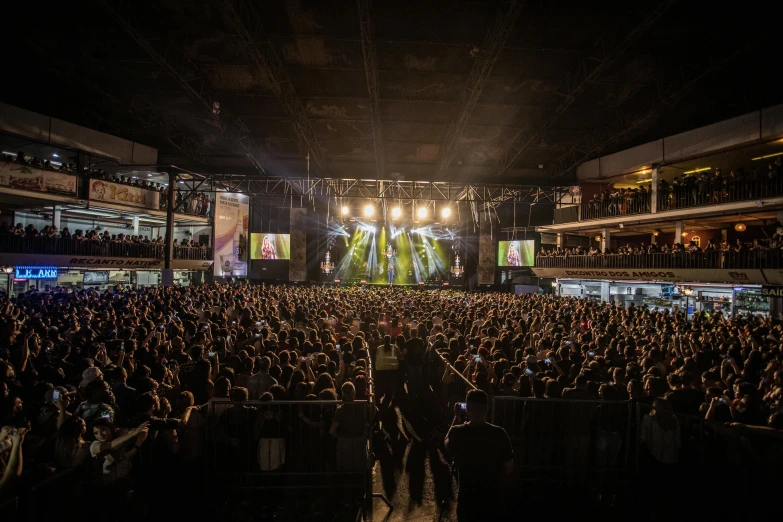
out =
column 430, row 285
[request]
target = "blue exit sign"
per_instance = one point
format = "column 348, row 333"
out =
column 35, row 272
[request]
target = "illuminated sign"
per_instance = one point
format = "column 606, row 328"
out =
column 35, row 272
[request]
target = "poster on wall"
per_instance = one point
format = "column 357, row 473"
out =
column 486, row 257
column 109, row 192
column 516, row 253
column 24, row 177
column 231, row 222
column 270, row 247
column 297, row 268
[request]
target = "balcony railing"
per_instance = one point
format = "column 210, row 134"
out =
column 743, row 259
column 714, row 192
column 75, row 247
column 193, row 253
column 637, row 203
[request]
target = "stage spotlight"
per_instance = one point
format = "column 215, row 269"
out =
column 422, row 212
column 345, row 211
column 396, row 212
column 446, row 212
column 369, row 210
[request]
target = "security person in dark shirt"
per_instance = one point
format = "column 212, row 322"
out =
column 483, row 455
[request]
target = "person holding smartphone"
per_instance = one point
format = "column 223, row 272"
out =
column 483, row 455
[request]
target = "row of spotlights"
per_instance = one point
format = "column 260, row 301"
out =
column 422, row 212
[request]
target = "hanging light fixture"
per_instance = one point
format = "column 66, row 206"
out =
column 598, row 237
column 740, row 227
column 456, row 269
column 327, row 267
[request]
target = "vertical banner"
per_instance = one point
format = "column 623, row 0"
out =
column 486, row 254
column 231, row 222
column 297, row 267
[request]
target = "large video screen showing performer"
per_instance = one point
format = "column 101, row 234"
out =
column 516, row 253
column 270, row 247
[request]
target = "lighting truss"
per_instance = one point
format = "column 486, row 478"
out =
column 394, row 190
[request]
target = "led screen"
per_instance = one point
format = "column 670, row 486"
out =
column 269, row 247
column 516, row 253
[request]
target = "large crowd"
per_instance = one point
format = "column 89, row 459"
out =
column 129, row 382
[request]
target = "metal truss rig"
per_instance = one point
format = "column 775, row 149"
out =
column 395, row 190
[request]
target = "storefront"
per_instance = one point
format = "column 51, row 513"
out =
column 696, row 297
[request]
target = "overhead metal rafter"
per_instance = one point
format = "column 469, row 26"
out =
column 613, row 131
column 571, row 88
column 390, row 190
column 242, row 18
column 502, row 25
column 137, row 107
column 193, row 81
column 371, row 72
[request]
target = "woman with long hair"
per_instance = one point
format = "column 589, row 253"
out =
column 268, row 249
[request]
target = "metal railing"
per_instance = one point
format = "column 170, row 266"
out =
column 746, row 259
column 621, row 205
column 193, row 253
column 77, row 247
column 714, row 192
column 571, row 443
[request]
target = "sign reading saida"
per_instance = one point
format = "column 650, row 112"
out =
column 772, row 291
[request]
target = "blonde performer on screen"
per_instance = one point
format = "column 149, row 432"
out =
column 268, row 249
column 513, row 255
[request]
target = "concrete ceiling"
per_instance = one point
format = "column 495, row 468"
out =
column 150, row 70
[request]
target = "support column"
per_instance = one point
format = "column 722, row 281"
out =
column 677, row 232
column 56, row 216
column 135, row 221
column 654, row 190
column 606, row 238
column 559, row 240
column 779, row 227
column 606, row 295
column 167, row 274
column 653, row 239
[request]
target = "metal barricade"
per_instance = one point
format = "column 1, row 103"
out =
column 567, row 443
column 288, row 445
column 617, row 205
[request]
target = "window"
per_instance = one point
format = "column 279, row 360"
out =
column 697, row 240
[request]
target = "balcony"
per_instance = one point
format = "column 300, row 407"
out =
column 750, row 259
column 66, row 252
column 618, row 205
column 703, row 192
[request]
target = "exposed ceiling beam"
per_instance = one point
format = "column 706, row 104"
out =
column 174, row 62
column 241, row 17
column 586, row 74
column 499, row 31
column 371, row 72
column 617, row 130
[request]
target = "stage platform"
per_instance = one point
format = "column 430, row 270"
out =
column 410, row 286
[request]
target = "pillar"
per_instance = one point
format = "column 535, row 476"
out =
column 677, row 232
column 167, row 274
column 606, row 240
column 559, row 240
column 779, row 225
column 653, row 239
column 56, row 217
column 724, row 234
column 135, row 221
column 654, row 189
column 605, row 293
